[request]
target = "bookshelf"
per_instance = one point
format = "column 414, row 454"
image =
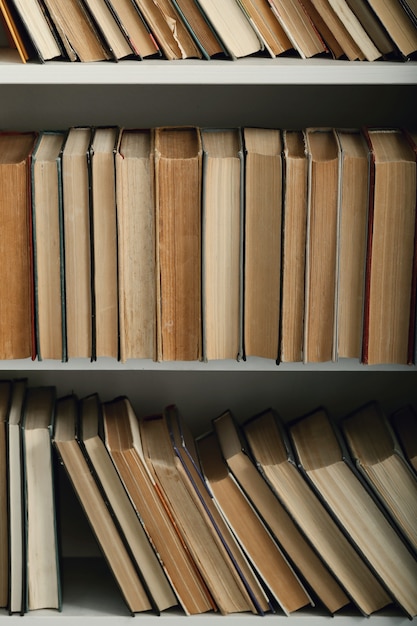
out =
column 282, row 93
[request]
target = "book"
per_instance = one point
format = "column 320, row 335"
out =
column 265, row 23
column 321, row 455
column 262, row 551
column 65, row 440
column 105, row 332
column 301, row 31
column 275, row 459
column 321, row 245
column 178, row 174
column 377, row 454
column 200, row 29
column 294, row 228
column 398, row 25
column 326, row 34
column 15, row 501
column 389, row 301
column 17, row 340
column 134, row 27
column 373, row 26
column 203, row 543
column 48, row 249
column 135, row 201
column 137, row 542
column 16, row 35
column 108, row 26
column 38, row 29
column 123, row 440
column 262, row 241
column 404, row 422
column 222, row 240
column 43, row 579
column 351, row 247
column 78, row 34
column 282, row 526
column 76, row 181
column 410, row 7
column 5, row 398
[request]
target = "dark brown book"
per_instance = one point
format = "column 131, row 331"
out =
column 5, row 399
column 404, row 422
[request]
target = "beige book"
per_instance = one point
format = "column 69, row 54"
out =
column 404, row 422
column 178, row 174
column 299, row 27
column 132, row 24
column 114, row 36
column 135, row 200
column 347, row 30
column 40, row 33
column 268, row 27
column 262, row 242
column 5, row 530
column 206, row 37
column 294, row 225
column 397, row 23
column 321, row 455
column 372, row 25
column 326, row 33
column 274, row 458
column 104, row 242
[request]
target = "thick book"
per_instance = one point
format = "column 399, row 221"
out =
column 262, row 241
column 282, row 526
column 378, row 456
column 321, row 454
column 390, row 294
column 115, row 37
column 135, row 202
column 198, row 534
column 265, row 23
column 132, row 24
column 105, row 331
column 17, row 340
column 76, row 182
column 321, row 245
column 398, row 24
column 200, row 29
column 43, row 580
column 263, row 552
column 222, row 243
column 404, row 422
column 37, row 27
column 48, row 248
column 351, row 246
column 65, row 440
column 123, row 440
column 294, row 229
column 15, row 499
column 299, row 27
column 5, row 399
column 270, row 446
column 372, row 25
column 178, row 175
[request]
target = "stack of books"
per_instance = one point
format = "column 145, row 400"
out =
column 97, row 30
column 186, row 244
column 259, row 517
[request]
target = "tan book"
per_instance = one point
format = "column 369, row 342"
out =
column 377, row 454
column 5, row 399
column 300, row 29
column 207, row 551
column 372, row 25
column 77, row 242
column 389, row 318
column 65, row 440
column 275, row 516
column 404, row 422
column 398, row 25
column 43, row 590
column 294, row 225
column 222, row 236
column 123, row 440
column 267, row 26
column 135, row 200
column 37, row 27
column 262, row 551
column 202, row 31
column 104, row 243
column 16, row 270
column 321, row 245
column 351, row 254
column 322, row 457
column 48, row 245
column 274, row 457
column 326, row 34
column 134, row 27
column 262, row 241
column 117, row 43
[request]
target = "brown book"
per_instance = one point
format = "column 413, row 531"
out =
column 117, row 42
column 5, row 398
column 262, row 241
column 134, row 27
column 275, row 516
column 104, row 242
column 202, row 31
column 327, row 466
column 268, row 27
column 123, row 440
column 398, row 24
column 351, row 253
column 222, row 235
column 178, row 174
column 321, row 245
column 273, row 455
column 326, row 34
column 48, row 245
column 77, row 242
column 372, row 25
column 299, row 27
column 16, row 271
column 377, row 454
column 389, row 318
column 135, row 200
column 16, row 35
column 294, row 226
column 262, row 551
column 404, row 422
column 65, row 440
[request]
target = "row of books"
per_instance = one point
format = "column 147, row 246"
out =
column 259, row 517
column 96, row 30
column 185, row 244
